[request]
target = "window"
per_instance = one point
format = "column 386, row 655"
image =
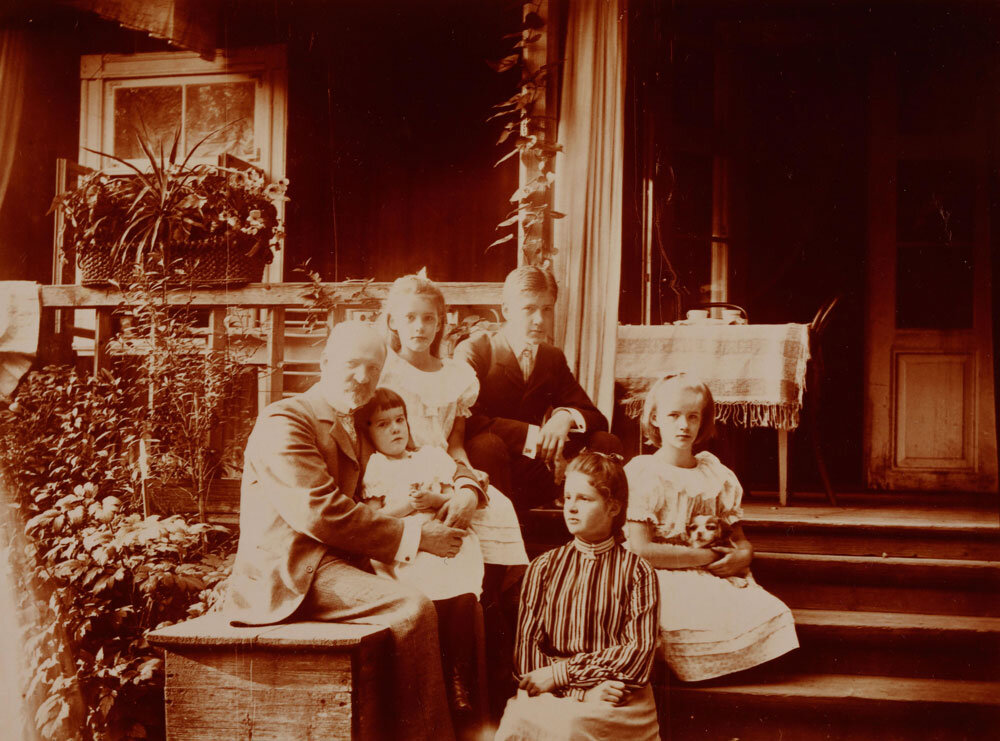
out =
column 217, row 114
column 235, row 104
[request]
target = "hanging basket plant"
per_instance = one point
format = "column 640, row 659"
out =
column 205, row 224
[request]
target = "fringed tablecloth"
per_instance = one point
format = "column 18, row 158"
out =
column 757, row 372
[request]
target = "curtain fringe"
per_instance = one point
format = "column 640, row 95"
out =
column 741, row 414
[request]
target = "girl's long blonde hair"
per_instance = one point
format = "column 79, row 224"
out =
column 414, row 285
column 685, row 381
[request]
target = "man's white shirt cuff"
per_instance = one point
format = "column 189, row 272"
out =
column 579, row 423
column 531, row 441
column 531, row 438
column 410, row 542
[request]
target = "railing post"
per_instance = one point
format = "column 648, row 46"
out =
column 102, row 334
column 216, row 343
column 273, row 382
column 216, row 328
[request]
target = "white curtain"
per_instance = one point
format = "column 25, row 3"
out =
column 588, row 190
column 13, row 64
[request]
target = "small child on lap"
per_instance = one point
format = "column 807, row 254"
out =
column 404, row 481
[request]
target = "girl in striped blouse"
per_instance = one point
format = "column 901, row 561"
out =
column 587, row 624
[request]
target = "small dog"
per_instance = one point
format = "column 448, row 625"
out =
column 709, row 531
column 704, row 531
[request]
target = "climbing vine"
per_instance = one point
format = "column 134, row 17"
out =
column 534, row 142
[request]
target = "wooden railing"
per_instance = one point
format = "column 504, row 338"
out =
column 282, row 342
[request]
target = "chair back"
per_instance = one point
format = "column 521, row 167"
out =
column 822, row 317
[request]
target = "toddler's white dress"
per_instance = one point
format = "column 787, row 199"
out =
column 709, row 626
column 388, row 481
column 433, row 400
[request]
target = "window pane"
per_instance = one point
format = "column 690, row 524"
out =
column 934, row 287
column 154, row 112
column 934, row 232
column 226, row 111
column 936, row 201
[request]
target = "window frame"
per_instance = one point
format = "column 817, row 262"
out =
column 102, row 74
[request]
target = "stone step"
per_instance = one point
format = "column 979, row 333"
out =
column 833, row 706
column 897, row 644
column 918, row 585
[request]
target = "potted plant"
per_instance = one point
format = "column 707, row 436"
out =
column 210, row 224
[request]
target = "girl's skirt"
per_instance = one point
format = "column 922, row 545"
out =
column 710, row 626
column 499, row 532
column 546, row 717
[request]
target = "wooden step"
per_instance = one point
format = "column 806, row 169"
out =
column 835, row 706
column 916, row 532
column 919, row 585
column 897, row 644
column 897, row 541
column 965, row 533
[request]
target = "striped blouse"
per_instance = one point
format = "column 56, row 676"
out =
column 589, row 610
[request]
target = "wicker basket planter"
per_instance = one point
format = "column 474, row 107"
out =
column 210, row 225
column 221, row 265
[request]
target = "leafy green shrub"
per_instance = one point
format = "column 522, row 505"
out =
column 186, row 390
column 94, row 574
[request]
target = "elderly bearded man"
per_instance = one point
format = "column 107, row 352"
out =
column 306, row 543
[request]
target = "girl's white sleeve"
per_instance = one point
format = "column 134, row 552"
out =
column 375, row 484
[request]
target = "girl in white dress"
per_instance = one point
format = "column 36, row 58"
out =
column 439, row 394
column 414, row 483
column 710, row 624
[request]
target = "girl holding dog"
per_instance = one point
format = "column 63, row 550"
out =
column 711, row 624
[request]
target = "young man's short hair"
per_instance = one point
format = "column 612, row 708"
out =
column 529, row 279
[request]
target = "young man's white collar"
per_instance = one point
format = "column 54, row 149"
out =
column 519, row 344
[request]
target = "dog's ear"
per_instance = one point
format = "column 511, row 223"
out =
column 725, row 530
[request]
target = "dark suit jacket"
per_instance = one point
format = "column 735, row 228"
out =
column 507, row 403
column 297, row 502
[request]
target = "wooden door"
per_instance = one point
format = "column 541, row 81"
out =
column 929, row 414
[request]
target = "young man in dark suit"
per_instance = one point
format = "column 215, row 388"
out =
column 531, row 415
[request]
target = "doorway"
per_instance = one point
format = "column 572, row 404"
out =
column 929, row 412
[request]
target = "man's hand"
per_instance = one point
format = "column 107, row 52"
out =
column 439, row 539
column 734, row 561
column 540, row 680
column 610, row 691
column 553, row 435
column 457, row 511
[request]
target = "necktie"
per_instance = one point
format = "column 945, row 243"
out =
column 525, row 361
column 347, row 423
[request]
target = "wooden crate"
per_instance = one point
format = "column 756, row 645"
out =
column 286, row 681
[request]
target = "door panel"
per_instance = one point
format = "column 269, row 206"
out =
column 935, row 408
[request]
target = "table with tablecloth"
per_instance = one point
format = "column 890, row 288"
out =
column 756, row 372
